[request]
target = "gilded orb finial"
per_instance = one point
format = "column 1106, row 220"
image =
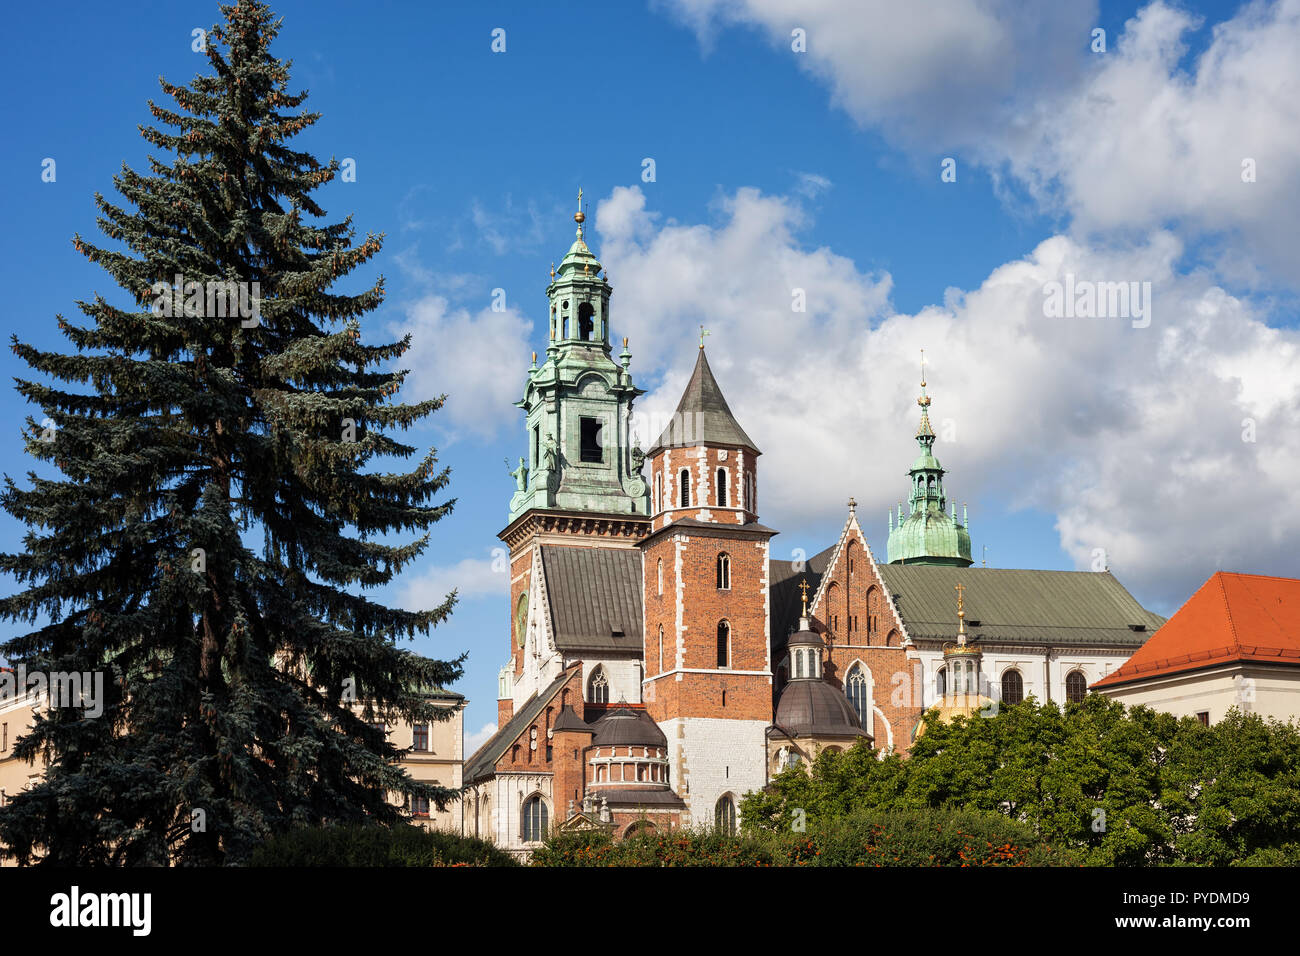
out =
column 803, row 586
column 579, row 217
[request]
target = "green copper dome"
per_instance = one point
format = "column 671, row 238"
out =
column 928, row 534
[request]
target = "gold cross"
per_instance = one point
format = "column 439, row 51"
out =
column 803, row 586
column 959, row 589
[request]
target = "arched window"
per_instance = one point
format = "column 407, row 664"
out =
column 724, row 644
column 661, row 577
column 941, row 682
column 585, row 323
column 798, row 663
column 684, row 479
column 661, row 648
column 857, row 689
column 659, row 492
column 1013, row 687
column 598, row 687
column 1076, row 686
column 724, row 815
column 534, row 820
column 722, row 487
column 724, row 572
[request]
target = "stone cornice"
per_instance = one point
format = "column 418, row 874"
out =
column 537, row 521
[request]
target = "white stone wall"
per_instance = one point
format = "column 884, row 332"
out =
column 710, row 756
column 1042, row 672
column 1267, row 691
column 623, row 674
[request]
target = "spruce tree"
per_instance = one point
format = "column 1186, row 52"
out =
column 217, row 506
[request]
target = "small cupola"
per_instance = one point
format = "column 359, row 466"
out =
column 805, row 646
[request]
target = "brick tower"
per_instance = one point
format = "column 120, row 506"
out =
column 708, row 670
column 578, row 488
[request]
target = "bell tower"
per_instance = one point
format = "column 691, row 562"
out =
column 578, row 402
column 708, row 668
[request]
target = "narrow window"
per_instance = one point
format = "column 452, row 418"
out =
column 598, row 687
column 724, row 815
column 661, row 577
column 591, row 450
column 685, row 480
column 537, row 445
column 798, row 663
column 1013, row 687
column 722, row 487
column 1076, row 686
column 941, row 682
column 724, row 572
column 724, row 644
column 420, row 737
column 534, row 820
column 659, row 492
column 855, row 688
column 585, row 323
column 661, row 648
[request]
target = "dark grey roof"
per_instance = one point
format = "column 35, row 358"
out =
column 628, row 725
column 593, row 593
column 813, row 708
column 703, row 416
column 785, row 594
column 636, row 797
column 1015, row 606
column 483, row 761
column 569, row 720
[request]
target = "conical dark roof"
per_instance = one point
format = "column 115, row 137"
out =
column 702, row 416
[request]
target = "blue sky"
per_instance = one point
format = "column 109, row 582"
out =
column 1063, row 439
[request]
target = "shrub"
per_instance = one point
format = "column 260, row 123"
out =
column 373, row 845
column 903, row 838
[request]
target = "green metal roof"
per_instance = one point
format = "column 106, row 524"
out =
column 1012, row 606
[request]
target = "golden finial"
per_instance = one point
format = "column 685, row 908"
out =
column 534, row 358
column 924, row 400
column 552, row 269
column 625, row 341
column 961, row 614
column 579, row 217
column 803, row 586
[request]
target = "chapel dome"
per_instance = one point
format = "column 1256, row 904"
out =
column 621, row 726
column 813, row 708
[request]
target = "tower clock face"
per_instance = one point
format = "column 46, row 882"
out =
column 521, row 618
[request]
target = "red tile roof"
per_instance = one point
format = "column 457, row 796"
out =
column 1232, row 617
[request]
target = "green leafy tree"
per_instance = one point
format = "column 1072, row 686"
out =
column 216, row 508
column 1117, row 786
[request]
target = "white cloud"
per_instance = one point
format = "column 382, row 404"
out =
column 471, row 577
column 462, row 354
column 478, row 738
column 1130, row 139
column 1132, row 437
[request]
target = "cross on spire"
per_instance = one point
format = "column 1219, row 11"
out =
column 803, row 586
column 703, row 332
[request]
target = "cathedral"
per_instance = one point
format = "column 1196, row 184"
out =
column 663, row 662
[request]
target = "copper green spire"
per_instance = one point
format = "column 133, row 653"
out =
column 928, row 534
column 578, row 402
